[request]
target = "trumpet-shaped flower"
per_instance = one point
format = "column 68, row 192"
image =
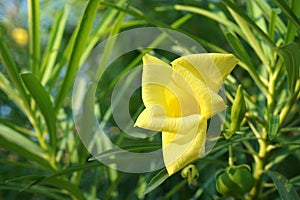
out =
column 179, row 99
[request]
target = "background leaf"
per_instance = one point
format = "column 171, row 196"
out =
column 285, row 189
column 156, row 181
column 290, row 54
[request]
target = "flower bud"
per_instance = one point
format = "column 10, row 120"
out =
column 238, row 110
column 191, row 173
column 234, row 181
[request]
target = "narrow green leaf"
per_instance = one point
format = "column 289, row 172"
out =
column 85, row 27
column 17, row 128
column 290, row 54
column 288, row 11
column 67, row 185
column 143, row 147
column 284, row 187
column 272, row 24
column 11, row 68
column 101, row 28
column 267, row 11
column 156, row 181
column 239, row 50
column 43, row 101
column 52, row 48
column 26, row 178
column 273, row 126
column 251, row 23
column 13, row 95
column 41, row 190
column 139, row 14
column 211, row 15
column 16, row 142
column 292, row 30
column 34, row 34
column 250, row 30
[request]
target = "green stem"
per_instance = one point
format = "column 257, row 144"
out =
column 290, row 103
column 230, row 155
column 259, row 166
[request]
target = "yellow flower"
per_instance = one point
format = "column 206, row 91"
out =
column 20, row 35
column 179, row 99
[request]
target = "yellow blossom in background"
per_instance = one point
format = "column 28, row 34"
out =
column 179, row 99
column 20, row 36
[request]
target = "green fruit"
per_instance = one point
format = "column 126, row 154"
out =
column 234, row 181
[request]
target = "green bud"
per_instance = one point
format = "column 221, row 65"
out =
column 191, row 173
column 238, row 110
column 234, row 181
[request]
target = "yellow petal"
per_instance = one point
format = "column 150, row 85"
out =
column 183, row 138
column 164, row 87
column 183, row 147
column 211, row 68
column 148, row 119
column 210, row 102
column 156, row 75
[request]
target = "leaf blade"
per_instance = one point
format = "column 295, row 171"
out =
column 285, row 189
column 85, row 27
column 156, row 181
column 42, row 98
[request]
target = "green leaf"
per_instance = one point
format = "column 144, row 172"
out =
column 36, row 190
column 34, row 34
column 211, row 15
column 290, row 54
column 52, row 48
column 137, row 148
column 108, row 16
column 267, row 11
column 241, row 52
column 16, row 142
column 85, row 27
column 246, row 19
column 43, row 101
column 292, row 30
column 288, row 11
column 273, row 126
column 11, row 69
column 65, row 184
column 156, row 181
column 284, row 187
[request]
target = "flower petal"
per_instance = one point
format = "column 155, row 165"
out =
column 163, row 86
column 186, row 145
column 210, row 102
column 156, row 75
column 211, row 68
column 148, row 119
column 183, row 138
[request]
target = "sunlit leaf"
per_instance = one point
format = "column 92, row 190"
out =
column 16, row 142
column 34, row 34
column 54, row 43
column 85, row 27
